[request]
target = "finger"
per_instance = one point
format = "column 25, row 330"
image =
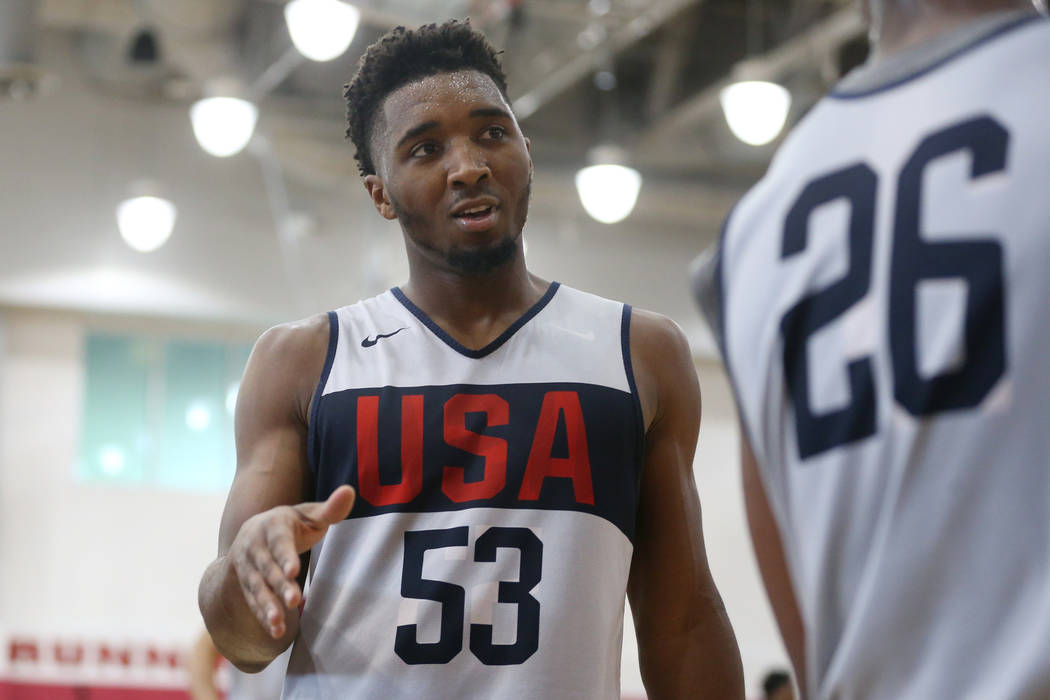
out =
column 261, row 600
column 281, row 543
column 331, row 511
column 279, row 565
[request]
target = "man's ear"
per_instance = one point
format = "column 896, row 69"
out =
column 377, row 191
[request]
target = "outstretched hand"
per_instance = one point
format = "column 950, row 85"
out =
column 265, row 554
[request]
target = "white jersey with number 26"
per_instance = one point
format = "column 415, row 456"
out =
column 885, row 300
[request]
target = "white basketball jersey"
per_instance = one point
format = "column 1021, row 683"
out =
column 488, row 551
column 885, row 295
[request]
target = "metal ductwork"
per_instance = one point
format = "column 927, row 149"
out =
column 19, row 75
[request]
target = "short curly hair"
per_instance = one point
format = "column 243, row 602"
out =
column 402, row 56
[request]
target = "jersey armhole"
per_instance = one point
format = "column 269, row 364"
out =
column 716, row 316
column 312, row 433
column 636, row 401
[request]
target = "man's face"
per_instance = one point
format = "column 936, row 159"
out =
column 454, row 169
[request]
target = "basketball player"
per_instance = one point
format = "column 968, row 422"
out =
column 204, row 661
column 480, row 463
column 884, row 305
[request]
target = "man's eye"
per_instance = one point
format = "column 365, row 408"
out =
column 495, row 132
column 423, row 149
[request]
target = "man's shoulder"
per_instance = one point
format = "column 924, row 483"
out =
column 294, row 342
column 650, row 325
column 658, row 343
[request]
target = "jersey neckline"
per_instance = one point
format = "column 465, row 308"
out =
column 866, row 80
column 491, row 347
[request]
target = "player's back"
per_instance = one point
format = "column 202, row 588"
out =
column 886, row 321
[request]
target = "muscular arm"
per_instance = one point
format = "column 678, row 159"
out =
column 250, row 593
column 201, row 668
column 773, row 564
column 686, row 645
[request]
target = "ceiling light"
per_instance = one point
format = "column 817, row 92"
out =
column 755, row 110
column 145, row 223
column 608, row 190
column 223, row 125
column 605, row 80
column 321, row 29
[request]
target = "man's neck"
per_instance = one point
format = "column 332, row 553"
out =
column 475, row 308
column 902, row 26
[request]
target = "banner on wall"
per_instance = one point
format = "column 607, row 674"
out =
column 56, row 668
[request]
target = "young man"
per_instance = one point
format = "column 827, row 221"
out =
column 883, row 296
column 488, row 460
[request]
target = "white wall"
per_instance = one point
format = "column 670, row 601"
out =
column 122, row 563
column 84, row 560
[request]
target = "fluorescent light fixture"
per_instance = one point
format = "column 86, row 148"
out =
column 755, row 110
column 607, row 191
column 321, row 29
column 223, row 125
column 145, row 223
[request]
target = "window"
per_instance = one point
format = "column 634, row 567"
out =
column 159, row 411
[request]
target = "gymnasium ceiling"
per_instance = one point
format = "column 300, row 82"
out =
column 284, row 229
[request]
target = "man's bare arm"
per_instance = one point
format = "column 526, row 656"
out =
column 772, row 563
column 686, row 645
column 249, row 595
column 200, row 665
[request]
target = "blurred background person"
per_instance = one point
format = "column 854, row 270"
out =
column 776, row 685
column 212, row 677
column 882, row 296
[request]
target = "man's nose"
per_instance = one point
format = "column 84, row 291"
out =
column 467, row 165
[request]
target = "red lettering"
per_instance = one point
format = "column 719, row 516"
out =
column 577, row 466
column 368, row 452
column 162, row 658
column 21, row 650
column 491, row 448
column 69, row 653
column 109, row 656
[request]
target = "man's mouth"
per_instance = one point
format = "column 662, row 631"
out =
column 475, row 213
column 477, row 218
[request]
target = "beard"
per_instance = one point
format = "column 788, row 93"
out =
column 484, row 260
column 470, row 261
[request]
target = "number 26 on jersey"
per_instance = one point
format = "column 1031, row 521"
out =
column 977, row 260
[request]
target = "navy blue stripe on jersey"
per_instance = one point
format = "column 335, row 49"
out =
column 628, row 366
column 977, row 43
column 491, row 347
column 333, row 343
column 719, row 324
column 548, row 446
column 722, row 338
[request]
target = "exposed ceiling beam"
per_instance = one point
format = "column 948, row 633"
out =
column 574, row 70
column 810, row 48
column 670, row 58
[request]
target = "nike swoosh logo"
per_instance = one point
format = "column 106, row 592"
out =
column 369, row 342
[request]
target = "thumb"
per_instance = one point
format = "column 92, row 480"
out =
column 323, row 514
